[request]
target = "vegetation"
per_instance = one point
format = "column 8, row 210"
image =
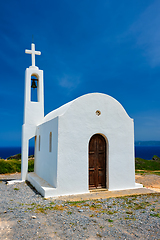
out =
column 12, row 165
column 17, row 156
column 152, row 165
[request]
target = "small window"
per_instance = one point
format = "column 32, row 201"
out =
column 39, row 143
column 50, row 142
column 35, row 142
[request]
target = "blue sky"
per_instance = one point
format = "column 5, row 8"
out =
column 111, row 47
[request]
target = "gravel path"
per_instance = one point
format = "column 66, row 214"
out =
column 24, row 214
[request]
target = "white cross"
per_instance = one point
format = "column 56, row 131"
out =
column 33, row 52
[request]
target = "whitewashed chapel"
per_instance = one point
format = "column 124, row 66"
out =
column 85, row 144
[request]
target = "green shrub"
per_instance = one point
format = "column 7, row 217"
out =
column 156, row 158
column 14, row 165
column 151, row 165
column 31, row 165
column 16, row 156
column 10, row 166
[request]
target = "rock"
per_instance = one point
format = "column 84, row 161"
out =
column 80, row 210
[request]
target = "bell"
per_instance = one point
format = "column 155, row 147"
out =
column 33, row 84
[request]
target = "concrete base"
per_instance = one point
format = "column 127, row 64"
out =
column 9, row 182
column 106, row 194
column 43, row 187
column 46, row 190
column 137, row 185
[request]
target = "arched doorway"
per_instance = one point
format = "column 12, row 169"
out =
column 97, row 162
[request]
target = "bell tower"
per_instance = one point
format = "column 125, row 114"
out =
column 33, row 107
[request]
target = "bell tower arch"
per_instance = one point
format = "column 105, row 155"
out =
column 33, row 110
column 34, row 88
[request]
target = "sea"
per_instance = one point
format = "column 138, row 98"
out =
column 6, row 152
column 145, row 150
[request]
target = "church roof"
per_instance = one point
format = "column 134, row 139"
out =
column 61, row 110
column 57, row 112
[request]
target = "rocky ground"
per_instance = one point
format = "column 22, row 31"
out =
column 149, row 181
column 24, row 214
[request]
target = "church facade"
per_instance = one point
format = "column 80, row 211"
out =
column 85, row 144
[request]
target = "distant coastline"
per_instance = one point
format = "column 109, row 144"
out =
column 6, row 152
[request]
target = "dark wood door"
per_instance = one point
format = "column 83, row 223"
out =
column 97, row 162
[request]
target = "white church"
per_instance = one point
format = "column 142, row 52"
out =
column 85, row 144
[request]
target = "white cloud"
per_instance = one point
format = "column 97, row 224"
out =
column 69, row 82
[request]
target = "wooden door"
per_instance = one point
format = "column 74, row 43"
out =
column 97, row 162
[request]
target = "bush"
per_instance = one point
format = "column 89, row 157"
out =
column 14, row 165
column 10, row 166
column 156, row 158
column 31, row 165
column 151, row 165
column 16, row 156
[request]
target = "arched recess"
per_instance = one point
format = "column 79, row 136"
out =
column 97, row 162
column 34, row 87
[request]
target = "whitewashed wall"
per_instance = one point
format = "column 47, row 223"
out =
column 45, row 161
column 76, row 125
